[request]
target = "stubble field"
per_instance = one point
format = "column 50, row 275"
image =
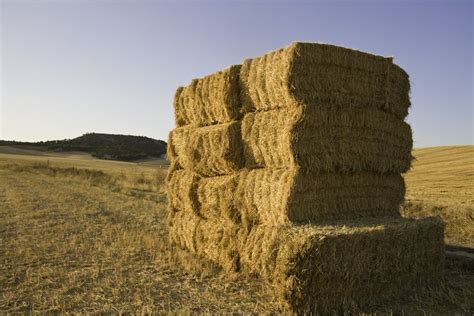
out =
column 84, row 235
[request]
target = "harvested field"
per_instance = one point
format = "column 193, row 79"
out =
column 443, row 175
column 73, row 244
column 104, row 246
column 441, row 183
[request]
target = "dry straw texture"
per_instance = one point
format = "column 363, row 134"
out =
column 210, row 151
column 278, row 196
column 181, row 187
column 310, row 74
column 209, row 100
column 208, row 198
column 209, row 238
column 327, row 139
column 177, row 145
column 216, row 198
column 323, row 269
column 340, row 268
column 289, row 167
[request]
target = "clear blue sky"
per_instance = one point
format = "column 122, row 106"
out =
column 70, row 67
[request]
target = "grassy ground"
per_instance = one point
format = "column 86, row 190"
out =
column 82, row 235
column 442, row 175
column 441, row 183
column 77, row 240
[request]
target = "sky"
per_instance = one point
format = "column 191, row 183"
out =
column 70, row 67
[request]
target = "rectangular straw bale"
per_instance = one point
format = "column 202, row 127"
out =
column 216, row 150
column 278, row 196
column 182, row 226
column 182, row 190
column 178, row 140
column 210, row 239
column 340, row 268
column 178, row 103
column 216, row 196
column 311, row 74
column 327, row 139
column 210, row 198
column 210, row 151
column 209, row 100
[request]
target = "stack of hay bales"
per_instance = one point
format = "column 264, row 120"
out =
column 206, row 155
column 289, row 166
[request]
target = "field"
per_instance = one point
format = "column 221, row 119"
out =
column 84, row 235
column 441, row 182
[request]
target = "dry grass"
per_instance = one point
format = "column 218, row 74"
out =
column 72, row 243
column 441, row 182
column 443, row 175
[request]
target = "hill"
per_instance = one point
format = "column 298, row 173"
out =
column 103, row 146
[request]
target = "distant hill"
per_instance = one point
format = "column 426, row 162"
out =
column 103, row 146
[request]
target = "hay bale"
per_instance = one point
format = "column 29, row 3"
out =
column 327, row 139
column 182, row 190
column 178, row 103
column 203, row 219
column 209, row 198
column 178, row 140
column 210, row 151
column 182, row 227
column 209, row 100
column 315, row 212
column 211, row 239
column 310, row 74
column 216, row 196
column 278, row 196
column 339, row 268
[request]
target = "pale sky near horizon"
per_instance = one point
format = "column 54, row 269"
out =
column 70, row 67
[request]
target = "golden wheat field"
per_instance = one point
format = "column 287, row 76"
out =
column 83, row 235
column 441, row 182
